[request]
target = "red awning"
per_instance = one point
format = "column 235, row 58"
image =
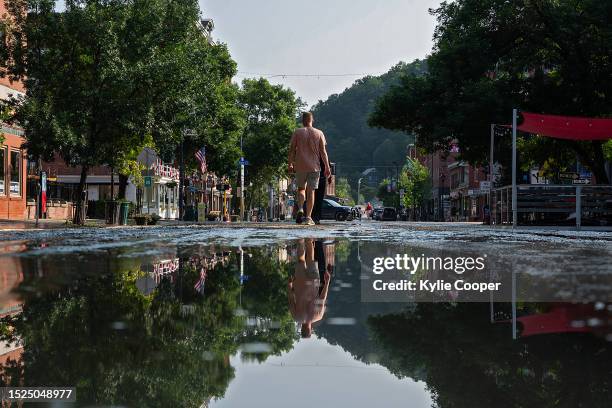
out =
column 566, row 127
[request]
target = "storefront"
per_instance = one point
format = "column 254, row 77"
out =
column 478, row 201
column 161, row 193
column 12, row 175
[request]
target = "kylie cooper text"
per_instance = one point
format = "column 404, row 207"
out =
column 411, row 264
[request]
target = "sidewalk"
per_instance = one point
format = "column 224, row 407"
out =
column 6, row 225
column 44, row 224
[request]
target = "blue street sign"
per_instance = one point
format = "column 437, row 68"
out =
column 243, row 162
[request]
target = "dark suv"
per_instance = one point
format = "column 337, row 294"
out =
column 331, row 210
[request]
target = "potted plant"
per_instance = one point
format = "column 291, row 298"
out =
column 142, row 219
column 154, row 218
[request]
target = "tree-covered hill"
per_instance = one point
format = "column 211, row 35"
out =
column 352, row 144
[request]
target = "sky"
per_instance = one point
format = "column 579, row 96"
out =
column 315, row 373
column 276, row 37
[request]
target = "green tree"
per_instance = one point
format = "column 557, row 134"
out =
column 387, row 195
column 485, row 360
column 89, row 325
column 415, row 181
column 102, row 76
column 491, row 56
column 343, row 190
column 352, row 143
column 199, row 105
column 271, row 113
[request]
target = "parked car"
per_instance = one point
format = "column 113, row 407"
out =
column 377, row 214
column 332, row 210
column 387, row 214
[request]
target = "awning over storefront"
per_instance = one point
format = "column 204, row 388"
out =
column 560, row 127
column 566, row 127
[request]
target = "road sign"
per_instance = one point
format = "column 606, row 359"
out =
column 582, row 181
column 569, row 175
column 485, row 185
column 148, row 181
column 243, row 162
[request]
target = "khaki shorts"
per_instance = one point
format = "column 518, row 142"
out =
column 311, row 178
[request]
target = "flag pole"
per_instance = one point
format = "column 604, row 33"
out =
column 514, row 191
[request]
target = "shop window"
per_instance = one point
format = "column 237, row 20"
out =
column 2, row 171
column 15, row 169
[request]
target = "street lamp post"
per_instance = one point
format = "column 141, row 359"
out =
column 358, row 189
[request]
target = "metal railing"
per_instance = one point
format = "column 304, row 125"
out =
column 541, row 204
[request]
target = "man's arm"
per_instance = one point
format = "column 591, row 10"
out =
column 292, row 148
column 324, row 157
column 291, row 297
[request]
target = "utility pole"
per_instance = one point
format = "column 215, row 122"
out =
column 358, row 189
column 181, row 177
column 241, row 182
column 271, row 199
column 241, row 192
column 514, row 165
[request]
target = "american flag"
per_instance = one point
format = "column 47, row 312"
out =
column 201, row 156
column 199, row 285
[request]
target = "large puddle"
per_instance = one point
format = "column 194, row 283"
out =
column 267, row 322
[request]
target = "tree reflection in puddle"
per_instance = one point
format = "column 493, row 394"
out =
column 167, row 345
column 176, row 329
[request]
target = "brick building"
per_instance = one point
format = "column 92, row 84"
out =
column 456, row 193
column 12, row 156
column 467, row 199
column 438, row 204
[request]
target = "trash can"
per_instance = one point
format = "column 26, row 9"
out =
column 123, row 213
column 112, row 212
column 190, row 213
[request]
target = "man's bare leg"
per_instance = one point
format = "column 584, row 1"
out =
column 309, row 250
column 301, row 199
column 301, row 251
column 310, row 196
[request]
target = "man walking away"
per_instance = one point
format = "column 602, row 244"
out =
column 306, row 149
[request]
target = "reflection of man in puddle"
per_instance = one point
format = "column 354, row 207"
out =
column 307, row 289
